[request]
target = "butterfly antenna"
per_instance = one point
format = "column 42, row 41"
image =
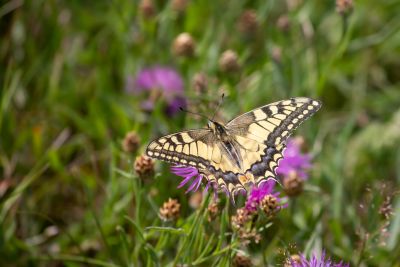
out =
column 194, row 113
column 219, row 105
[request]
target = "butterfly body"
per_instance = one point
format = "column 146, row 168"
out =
column 244, row 151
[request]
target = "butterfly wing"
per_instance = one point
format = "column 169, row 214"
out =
column 258, row 136
column 189, row 148
column 202, row 150
column 262, row 133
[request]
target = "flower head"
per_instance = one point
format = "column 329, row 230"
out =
column 292, row 168
column 265, row 198
column 314, row 261
column 190, row 174
column 158, row 77
column 158, row 81
column 294, row 160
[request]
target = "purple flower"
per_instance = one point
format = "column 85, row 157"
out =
column 316, row 261
column 190, row 174
column 257, row 194
column 294, row 161
column 158, row 81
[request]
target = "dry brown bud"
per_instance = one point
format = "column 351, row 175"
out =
column 195, row 199
column 344, row 7
column 179, row 5
column 277, row 54
column 241, row 260
column 213, row 211
column 293, row 184
column 147, row 9
column 283, row 23
column 241, row 218
column 269, row 204
column 170, row 210
column 228, row 61
column 131, row 142
column 184, row 45
column 200, row 83
column 144, row 167
column 248, row 22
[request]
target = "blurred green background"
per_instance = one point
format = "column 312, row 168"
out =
column 69, row 195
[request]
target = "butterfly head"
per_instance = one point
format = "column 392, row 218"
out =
column 217, row 128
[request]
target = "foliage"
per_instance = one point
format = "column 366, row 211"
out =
column 69, row 194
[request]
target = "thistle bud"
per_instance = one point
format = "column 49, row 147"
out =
column 228, row 61
column 269, row 204
column 179, row 5
column 184, row 45
column 144, row 167
column 248, row 22
column 242, row 260
column 293, row 184
column 147, row 9
column 200, row 83
column 131, row 142
column 344, row 7
column 283, row 23
column 170, row 210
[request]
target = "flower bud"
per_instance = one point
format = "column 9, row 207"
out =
column 184, row 45
column 283, row 23
column 344, row 7
column 293, row 184
column 242, row 260
column 147, row 9
column 228, row 61
column 131, row 142
column 170, row 210
column 144, row 167
column 248, row 23
column 179, row 5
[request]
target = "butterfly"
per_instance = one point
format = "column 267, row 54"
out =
column 245, row 151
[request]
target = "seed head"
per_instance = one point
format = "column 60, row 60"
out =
column 242, row 260
column 269, row 204
column 248, row 22
column 293, row 184
column 131, row 142
column 147, row 8
column 228, row 62
column 184, row 45
column 144, row 167
column 170, row 210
